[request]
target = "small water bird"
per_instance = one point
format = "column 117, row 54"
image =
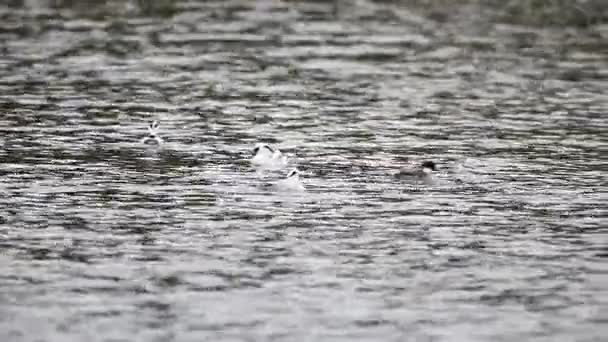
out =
column 422, row 172
column 152, row 138
column 291, row 183
column 267, row 157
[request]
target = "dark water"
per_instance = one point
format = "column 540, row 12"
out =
column 104, row 239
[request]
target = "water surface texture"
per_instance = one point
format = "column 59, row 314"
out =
column 105, row 239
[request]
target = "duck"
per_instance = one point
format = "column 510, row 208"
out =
column 292, row 183
column 152, row 138
column 422, row 172
column 267, row 157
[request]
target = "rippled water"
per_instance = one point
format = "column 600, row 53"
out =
column 105, row 239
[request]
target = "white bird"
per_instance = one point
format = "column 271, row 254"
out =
column 422, row 172
column 153, row 138
column 292, row 183
column 268, row 158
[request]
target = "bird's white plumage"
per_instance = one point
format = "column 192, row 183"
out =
column 292, row 183
column 268, row 158
column 152, row 138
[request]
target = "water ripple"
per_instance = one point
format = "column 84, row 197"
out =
column 104, row 238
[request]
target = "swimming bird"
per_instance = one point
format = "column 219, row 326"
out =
column 267, row 157
column 422, row 172
column 153, row 138
column 292, row 183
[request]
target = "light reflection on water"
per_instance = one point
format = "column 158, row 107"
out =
column 104, row 238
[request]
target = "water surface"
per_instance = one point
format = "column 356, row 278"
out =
column 105, row 239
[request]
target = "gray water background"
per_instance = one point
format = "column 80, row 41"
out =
column 103, row 239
